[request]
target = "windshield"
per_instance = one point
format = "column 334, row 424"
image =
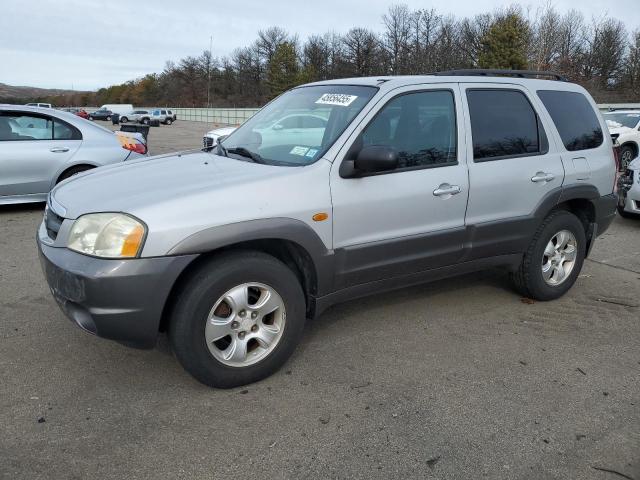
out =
column 298, row 127
column 617, row 120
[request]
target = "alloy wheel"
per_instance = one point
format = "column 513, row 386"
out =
column 559, row 258
column 245, row 325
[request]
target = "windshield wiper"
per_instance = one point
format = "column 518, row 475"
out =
column 220, row 149
column 243, row 152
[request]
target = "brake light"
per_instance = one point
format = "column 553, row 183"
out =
column 616, row 156
column 136, row 146
column 132, row 144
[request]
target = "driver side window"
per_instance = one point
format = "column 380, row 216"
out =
column 420, row 127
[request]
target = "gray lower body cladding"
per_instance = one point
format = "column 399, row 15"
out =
column 120, row 300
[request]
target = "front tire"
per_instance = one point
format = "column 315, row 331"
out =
column 108, row 118
column 145, row 121
column 237, row 319
column 553, row 261
column 626, row 157
column 168, row 121
column 124, row 120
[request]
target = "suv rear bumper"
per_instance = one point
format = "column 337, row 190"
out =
column 120, row 300
column 605, row 212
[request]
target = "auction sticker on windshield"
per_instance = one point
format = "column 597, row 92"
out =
column 299, row 151
column 336, row 99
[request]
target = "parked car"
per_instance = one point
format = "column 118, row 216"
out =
column 211, row 138
column 629, row 191
column 140, row 116
column 41, row 105
column 40, row 149
column 82, row 113
column 414, row 179
column 162, row 115
column 624, row 126
column 101, row 114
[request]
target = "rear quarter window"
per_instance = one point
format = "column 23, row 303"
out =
column 573, row 116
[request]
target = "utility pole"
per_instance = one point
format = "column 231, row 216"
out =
column 209, row 72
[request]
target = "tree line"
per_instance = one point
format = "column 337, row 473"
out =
column 601, row 54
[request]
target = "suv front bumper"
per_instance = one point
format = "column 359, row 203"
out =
column 121, row 300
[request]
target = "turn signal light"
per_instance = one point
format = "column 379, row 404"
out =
column 320, row 217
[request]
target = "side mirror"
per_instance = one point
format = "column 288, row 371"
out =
column 376, row 158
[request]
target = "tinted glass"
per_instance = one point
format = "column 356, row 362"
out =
column 17, row 126
column 63, row 131
column 420, row 126
column 574, row 118
column 617, row 120
column 503, row 124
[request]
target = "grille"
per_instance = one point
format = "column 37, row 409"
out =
column 52, row 223
column 207, row 142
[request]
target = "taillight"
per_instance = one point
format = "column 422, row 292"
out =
column 135, row 146
column 616, row 156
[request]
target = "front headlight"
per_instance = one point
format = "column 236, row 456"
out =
column 109, row 235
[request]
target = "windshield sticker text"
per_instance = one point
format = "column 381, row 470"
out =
column 311, row 153
column 299, row 151
column 336, row 99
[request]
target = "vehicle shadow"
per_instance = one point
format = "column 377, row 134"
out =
column 22, row 207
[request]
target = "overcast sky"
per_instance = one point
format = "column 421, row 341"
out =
column 90, row 44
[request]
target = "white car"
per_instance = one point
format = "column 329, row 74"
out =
column 624, row 126
column 629, row 191
column 41, row 105
column 210, row 138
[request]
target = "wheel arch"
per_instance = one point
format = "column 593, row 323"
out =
column 291, row 241
column 67, row 167
column 633, row 145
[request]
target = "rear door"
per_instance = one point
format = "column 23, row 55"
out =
column 514, row 166
column 33, row 147
column 410, row 219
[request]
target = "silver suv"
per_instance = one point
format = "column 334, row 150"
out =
column 406, row 180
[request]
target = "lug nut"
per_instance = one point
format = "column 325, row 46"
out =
column 254, row 315
column 241, row 335
column 234, row 324
column 254, row 328
column 242, row 313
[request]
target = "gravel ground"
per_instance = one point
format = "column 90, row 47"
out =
column 455, row 379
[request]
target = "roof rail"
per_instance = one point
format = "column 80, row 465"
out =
column 482, row 72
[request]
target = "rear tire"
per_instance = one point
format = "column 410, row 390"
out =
column 145, row 121
column 168, row 121
column 90, row 117
column 545, row 255
column 196, row 312
column 108, row 118
column 124, row 120
column 73, row 171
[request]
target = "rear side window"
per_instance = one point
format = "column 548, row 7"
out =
column 574, row 118
column 504, row 125
column 64, row 131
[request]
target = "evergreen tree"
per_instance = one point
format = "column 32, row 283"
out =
column 505, row 43
column 282, row 69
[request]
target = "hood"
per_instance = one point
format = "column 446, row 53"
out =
column 218, row 132
column 133, row 186
column 619, row 130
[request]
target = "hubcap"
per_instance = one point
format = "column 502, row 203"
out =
column 245, row 324
column 559, row 258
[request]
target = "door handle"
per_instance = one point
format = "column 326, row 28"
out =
column 59, row 150
column 542, row 177
column 446, row 189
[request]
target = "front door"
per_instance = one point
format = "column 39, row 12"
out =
column 409, row 219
